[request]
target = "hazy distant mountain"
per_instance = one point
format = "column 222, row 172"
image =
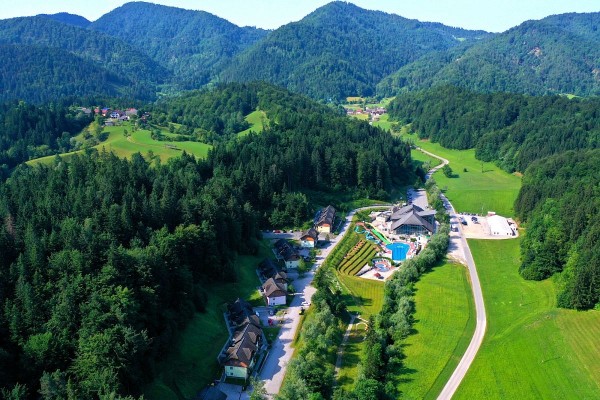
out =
column 341, row 50
column 193, row 44
column 558, row 54
column 119, row 62
column 67, row 18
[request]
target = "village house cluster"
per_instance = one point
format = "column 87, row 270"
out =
column 246, row 343
column 374, row 113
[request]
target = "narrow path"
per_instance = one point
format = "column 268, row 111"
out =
column 461, row 246
column 340, row 353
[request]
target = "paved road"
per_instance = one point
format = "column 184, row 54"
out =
column 459, row 249
column 281, row 351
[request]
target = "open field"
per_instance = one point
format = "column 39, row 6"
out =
column 531, row 350
column 139, row 141
column 473, row 191
column 257, row 119
column 420, row 158
column 193, row 362
column 445, row 321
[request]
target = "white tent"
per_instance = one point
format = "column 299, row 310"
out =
column 499, row 226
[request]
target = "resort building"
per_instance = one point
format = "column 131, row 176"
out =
column 324, row 220
column 309, row 238
column 411, row 220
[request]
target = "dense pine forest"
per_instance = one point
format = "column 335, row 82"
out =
column 101, row 263
column 560, row 201
column 510, row 129
column 28, row 131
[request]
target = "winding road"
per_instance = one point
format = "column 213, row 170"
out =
column 460, row 249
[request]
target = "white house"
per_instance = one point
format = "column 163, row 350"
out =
column 275, row 294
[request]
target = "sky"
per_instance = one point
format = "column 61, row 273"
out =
column 489, row 15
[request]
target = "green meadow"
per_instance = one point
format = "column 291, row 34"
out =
column 257, row 120
column 192, row 363
column 445, row 322
column 476, row 186
column 139, row 141
column 532, row 350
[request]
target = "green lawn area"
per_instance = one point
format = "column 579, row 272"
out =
column 352, row 353
column 532, row 350
column 421, row 158
column 257, row 120
column 473, row 191
column 139, row 141
column 193, row 361
column 445, row 321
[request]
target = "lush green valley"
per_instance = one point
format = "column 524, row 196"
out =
column 101, row 265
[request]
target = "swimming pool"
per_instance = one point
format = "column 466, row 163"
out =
column 399, row 250
column 382, row 264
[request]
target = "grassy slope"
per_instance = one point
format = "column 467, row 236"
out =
column 257, row 120
column 445, row 323
column 140, row 141
column 193, row 362
column 474, row 190
column 532, row 350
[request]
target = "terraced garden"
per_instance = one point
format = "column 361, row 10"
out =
column 357, row 258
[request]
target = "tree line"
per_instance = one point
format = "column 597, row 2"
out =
column 560, row 202
column 512, row 130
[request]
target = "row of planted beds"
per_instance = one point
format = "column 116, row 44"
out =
column 357, row 257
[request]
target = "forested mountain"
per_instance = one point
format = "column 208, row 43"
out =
column 558, row 54
column 67, row 18
column 126, row 71
column 41, row 74
column 341, row 50
column 101, row 261
column 560, row 200
column 511, row 129
column 194, row 45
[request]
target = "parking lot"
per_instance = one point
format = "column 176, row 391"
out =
column 479, row 229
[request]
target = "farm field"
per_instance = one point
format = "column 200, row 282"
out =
column 192, row 363
column 532, row 350
column 445, row 318
column 472, row 191
column 139, row 141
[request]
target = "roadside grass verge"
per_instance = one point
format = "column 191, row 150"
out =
column 192, row 363
column 483, row 187
column 445, row 322
column 532, row 350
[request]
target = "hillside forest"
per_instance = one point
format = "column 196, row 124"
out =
column 101, row 264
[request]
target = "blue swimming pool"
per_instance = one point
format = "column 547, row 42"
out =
column 399, row 250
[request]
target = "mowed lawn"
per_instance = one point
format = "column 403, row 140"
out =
column 367, row 295
column 532, row 350
column 192, row 363
column 473, row 191
column 445, row 321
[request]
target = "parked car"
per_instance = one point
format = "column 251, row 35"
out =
column 305, row 303
column 454, row 228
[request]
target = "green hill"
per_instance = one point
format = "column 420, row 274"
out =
column 558, row 54
column 342, row 50
column 194, row 45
